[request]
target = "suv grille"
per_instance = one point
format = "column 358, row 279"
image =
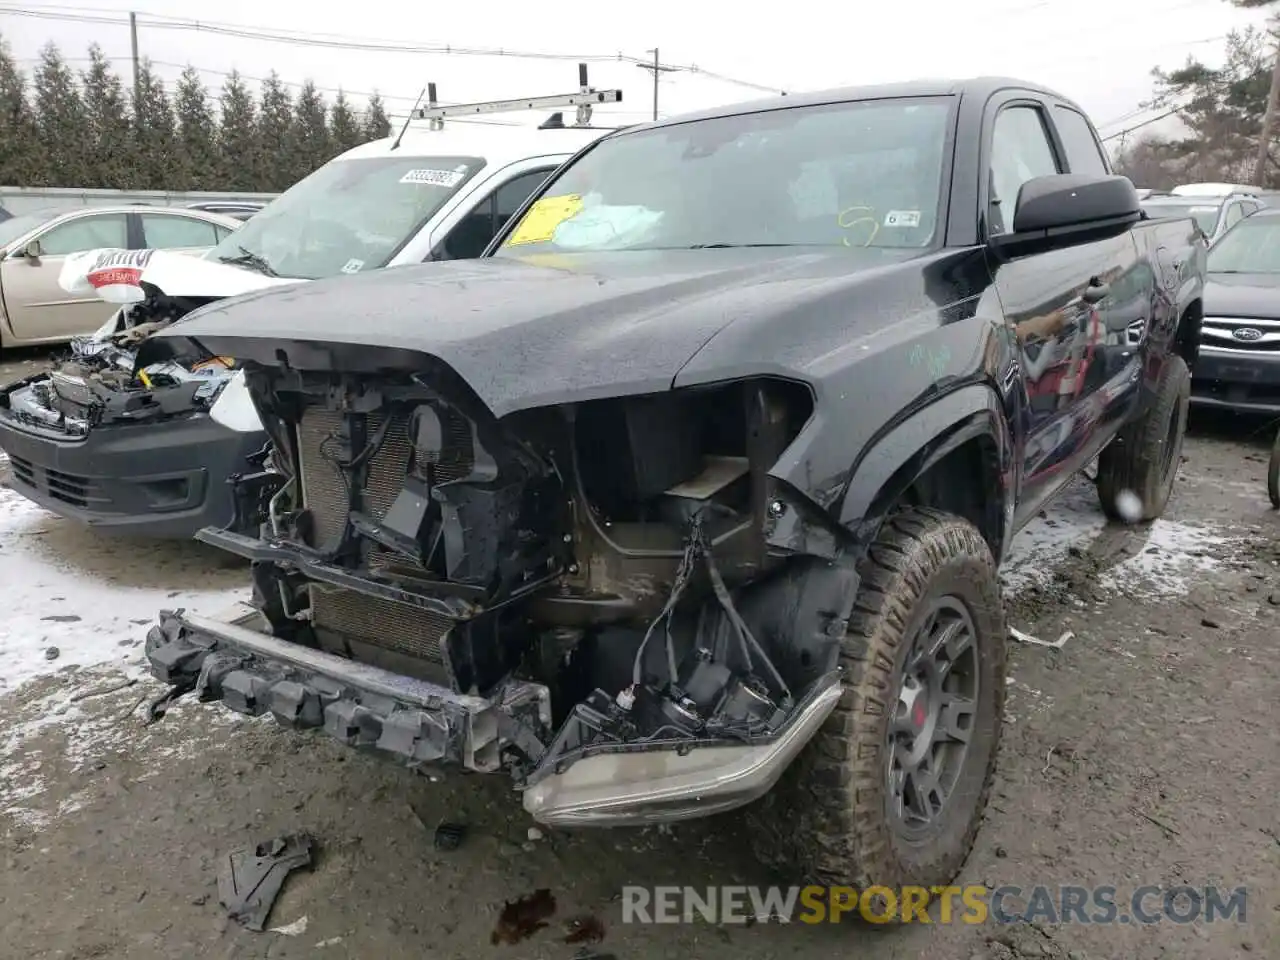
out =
column 1224, row 333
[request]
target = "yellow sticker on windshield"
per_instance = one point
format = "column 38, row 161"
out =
column 543, row 218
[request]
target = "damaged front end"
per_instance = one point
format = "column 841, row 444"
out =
column 97, row 384
column 121, row 446
column 613, row 601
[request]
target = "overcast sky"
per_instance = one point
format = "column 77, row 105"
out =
column 1099, row 52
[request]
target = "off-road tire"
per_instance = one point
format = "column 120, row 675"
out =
column 1144, row 457
column 827, row 820
column 1273, row 473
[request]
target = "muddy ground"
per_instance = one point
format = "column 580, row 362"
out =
column 1142, row 753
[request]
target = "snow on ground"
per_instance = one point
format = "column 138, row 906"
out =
column 54, row 602
column 93, row 599
column 1073, row 519
column 1175, row 554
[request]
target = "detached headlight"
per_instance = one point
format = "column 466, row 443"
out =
column 234, row 408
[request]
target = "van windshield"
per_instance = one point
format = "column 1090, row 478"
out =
column 346, row 217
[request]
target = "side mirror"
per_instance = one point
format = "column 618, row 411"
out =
column 1055, row 210
column 32, row 251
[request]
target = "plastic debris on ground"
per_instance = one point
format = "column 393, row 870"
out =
column 251, row 880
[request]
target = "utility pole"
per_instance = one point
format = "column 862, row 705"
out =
column 133, row 47
column 1268, row 124
column 657, row 68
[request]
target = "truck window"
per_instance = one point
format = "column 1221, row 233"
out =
column 1083, row 153
column 1235, row 213
column 472, row 233
column 1020, row 151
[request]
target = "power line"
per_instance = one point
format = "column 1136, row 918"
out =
column 342, row 42
column 1144, row 123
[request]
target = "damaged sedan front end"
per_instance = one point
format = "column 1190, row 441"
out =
column 611, row 599
column 120, row 446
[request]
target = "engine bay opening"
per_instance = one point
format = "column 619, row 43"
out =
column 616, row 551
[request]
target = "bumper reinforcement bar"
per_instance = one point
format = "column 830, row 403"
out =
column 361, row 705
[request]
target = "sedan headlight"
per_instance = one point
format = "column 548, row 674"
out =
column 234, row 407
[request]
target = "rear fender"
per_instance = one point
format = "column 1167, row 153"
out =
column 892, row 462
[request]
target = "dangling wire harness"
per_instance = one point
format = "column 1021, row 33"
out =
column 696, row 546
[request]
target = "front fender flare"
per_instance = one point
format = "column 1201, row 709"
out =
column 888, row 465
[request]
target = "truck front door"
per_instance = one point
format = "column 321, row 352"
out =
column 1059, row 306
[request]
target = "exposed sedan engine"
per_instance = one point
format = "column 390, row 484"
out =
column 98, row 384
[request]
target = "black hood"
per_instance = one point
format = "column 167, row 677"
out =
column 1244, row 295
column 532, row 332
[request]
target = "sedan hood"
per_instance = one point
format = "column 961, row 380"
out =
column 552, row 328
column 1246, row 295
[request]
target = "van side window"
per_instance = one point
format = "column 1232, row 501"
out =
column 469, row 237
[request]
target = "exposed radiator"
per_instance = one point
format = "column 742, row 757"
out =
column 381, row 623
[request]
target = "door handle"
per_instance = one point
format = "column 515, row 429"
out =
column 1095, row 291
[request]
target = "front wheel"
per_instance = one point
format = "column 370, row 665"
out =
column 1273, row 473
column 892, row 789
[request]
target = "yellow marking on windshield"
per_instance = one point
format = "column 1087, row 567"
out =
column 843, row 221
column 543, row 217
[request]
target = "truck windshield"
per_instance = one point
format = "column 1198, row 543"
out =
column 348, row 216
column 847, row 175
column 1251, row 246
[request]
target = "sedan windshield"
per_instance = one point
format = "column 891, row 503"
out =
column 1251, row 246
column 859, row 174
column 1206, row 217
column 348, row 216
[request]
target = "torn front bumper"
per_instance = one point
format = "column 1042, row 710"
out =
column 164, row 479
column 229, row 659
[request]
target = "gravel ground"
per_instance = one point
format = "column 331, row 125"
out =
column 1139, row 754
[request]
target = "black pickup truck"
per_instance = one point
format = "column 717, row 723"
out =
column 690, row 495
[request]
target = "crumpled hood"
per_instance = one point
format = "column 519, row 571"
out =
column 117, row 275
column 551, row 328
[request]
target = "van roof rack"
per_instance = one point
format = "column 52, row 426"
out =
column 584, row 99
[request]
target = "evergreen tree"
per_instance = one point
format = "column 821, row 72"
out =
column 108, row 133
column 60, row 122
column 196, row 133
column 376, row 122
column 239, row 158
column 155, row 134
column 344, row 128
column 18, row 151
column 311, row 143
column 275, row 136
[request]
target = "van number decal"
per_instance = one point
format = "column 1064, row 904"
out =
column 436, row 178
